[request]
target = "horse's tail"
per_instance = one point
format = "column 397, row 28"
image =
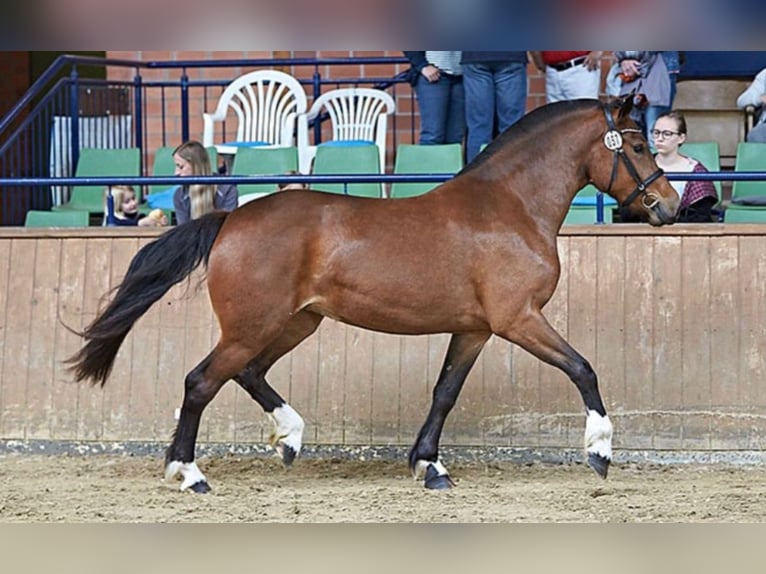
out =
column 152, row 272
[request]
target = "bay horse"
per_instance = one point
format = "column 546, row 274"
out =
column 476, row 256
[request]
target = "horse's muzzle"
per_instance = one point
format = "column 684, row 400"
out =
column 664, row 213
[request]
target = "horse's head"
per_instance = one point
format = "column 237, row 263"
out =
column 632, row 176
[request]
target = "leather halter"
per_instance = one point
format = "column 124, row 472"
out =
column 614, row 142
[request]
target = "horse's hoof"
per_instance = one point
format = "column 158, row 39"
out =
column 599, row 464
column 200, row 487
column 288, row 454
column 436, row 481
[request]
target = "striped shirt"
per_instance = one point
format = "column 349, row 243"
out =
column 447, row 62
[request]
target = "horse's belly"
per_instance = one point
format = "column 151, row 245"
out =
column 404, row 317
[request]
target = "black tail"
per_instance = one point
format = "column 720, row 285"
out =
column 152, row 272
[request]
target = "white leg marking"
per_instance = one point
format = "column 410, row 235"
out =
column 189, row 471
column 288, row 429
column 422, row 465
column 598, row 435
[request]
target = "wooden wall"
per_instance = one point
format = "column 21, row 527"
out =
column 671, row 319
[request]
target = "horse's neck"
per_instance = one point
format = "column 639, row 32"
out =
column 542, row 178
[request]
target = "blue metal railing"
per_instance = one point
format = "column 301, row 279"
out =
column 43, row 132
column 346, row 179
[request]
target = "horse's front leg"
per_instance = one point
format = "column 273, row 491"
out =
column 532, row 332
column 201, row 385
column 424, row 457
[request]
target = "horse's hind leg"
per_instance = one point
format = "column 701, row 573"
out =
column 424, row 457
column 201, row 385
column 288, row 424
column 533, row 332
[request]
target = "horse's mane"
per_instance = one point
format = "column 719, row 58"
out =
column 536, row 120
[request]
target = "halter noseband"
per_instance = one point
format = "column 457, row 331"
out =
column 614, row 142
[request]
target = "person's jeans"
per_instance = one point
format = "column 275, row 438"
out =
column 442, row 110
column 492, row 88
column 653, row 112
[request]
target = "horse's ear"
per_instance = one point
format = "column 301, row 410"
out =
column 626, row 105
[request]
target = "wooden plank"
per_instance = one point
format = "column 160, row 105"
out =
column 42, row 338
column 637, row 421
column 386, row 367
column 609, row 359
column 172, row 365
column 331, row 392
column 668, row 360
column 6, row 304
column 98, row 262
column 357, row 412
column 415, row 386
column 752, row 325
column 304, row 383
column 724, row 353
column 756, row 340
column 498, row 392
column 694, row 307
column 16, row 351
column 65, row 392
column 118, row 392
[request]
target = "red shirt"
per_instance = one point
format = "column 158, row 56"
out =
column 561, row 57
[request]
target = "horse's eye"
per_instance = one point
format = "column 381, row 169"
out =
column 638, row 148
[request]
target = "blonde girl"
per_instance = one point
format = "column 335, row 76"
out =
column 193, row 201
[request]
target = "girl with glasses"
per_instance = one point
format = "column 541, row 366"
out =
column 698, row 198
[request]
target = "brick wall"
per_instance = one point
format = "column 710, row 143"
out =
column 16, row 78
column 172, row 120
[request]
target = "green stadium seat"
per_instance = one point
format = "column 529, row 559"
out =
column 584, row 210
column 750, row 157
column 262, row 161
column 68, row 218
column 419, row 159
column 97, row 162
column 341, row 160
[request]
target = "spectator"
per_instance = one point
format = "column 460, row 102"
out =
column 698, row 198
column 438, row 81
column 193, row 201
column 647, row 74
column 125, row 205
column 755, row 95
column 285, row 185
column 495, row 85
column 570, row 75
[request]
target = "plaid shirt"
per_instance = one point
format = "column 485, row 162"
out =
column 697, row 189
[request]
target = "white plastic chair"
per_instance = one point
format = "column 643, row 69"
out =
column 358, row 116
column 269, row 106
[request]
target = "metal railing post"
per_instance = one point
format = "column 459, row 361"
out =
column 184, row 106
column 316, row 84
column 74, row 115
column 138, row 115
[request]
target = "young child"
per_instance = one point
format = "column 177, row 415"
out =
column 126, row 209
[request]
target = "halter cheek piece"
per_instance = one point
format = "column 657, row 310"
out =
column 614, row 142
